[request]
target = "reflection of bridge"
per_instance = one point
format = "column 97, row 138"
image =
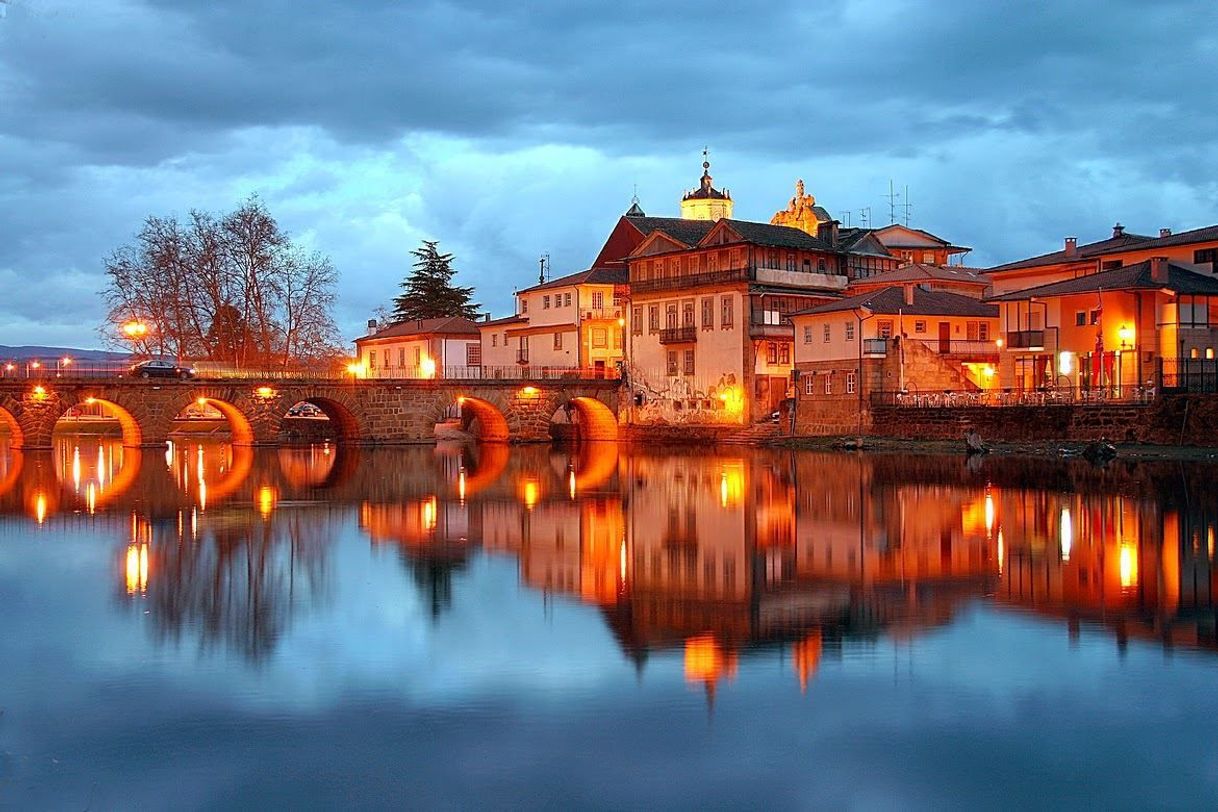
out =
column 366, row 411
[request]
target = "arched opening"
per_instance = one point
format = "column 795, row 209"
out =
column 11, row 436
column 212, row 419
column 94, row 469
column 584, row 419
column 100, row 419
column 472, row 418
column 315, row 420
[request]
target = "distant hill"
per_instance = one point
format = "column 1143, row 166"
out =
column 33, row 351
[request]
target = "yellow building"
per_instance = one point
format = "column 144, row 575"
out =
column 575, row 322
column 706, row 202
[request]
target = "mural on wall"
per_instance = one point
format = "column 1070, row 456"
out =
column 676, row 399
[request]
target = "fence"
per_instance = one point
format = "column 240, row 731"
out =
column 1049, row 396
column 216, row 372
column 1198, row 375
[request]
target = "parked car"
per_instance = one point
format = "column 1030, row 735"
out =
column 161, row 369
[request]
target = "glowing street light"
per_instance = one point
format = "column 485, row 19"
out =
column 134, row 329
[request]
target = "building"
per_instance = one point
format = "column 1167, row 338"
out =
column 427, row 348
column 917, row 245
column 949, row 278
column 575, row 322
column 1108, row 331
column 896, row 339
column 1195, row 250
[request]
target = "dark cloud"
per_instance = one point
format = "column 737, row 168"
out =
column 979, row 105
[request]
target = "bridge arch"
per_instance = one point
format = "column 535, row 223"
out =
column 594, row 421
column 238, row 424
column 16, row 437
column 132, row 432
column 492, row 424
column 344, row 423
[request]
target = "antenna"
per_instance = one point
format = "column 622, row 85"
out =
column 544, row 262
column 865, row 217
column 907, row 206
column 845, row 215
column 893, row 195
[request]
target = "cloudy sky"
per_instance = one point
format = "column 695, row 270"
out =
column 507, row 130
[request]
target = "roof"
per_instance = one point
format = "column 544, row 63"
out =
column 1130, row 277
column 917, row 272
column 776, row 236
column 891, row 301
column 687, row 231
column 500, row 322
column 1122, row 242
column 447, row 325
column 592, row 276
column 1203, row 234
column 933, row 238
column 705, row 190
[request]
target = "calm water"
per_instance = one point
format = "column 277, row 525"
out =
column 212, row 626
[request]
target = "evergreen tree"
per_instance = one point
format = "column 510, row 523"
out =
column 429, row 292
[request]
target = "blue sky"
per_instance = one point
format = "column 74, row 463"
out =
column 510, row 130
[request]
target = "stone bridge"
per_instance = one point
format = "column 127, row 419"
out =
column 369, row 412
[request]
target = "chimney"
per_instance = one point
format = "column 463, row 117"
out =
column 486, row 316
column 827, row 232
column 1118, row 231
column 1158, row 270
column 372, row 326
column 1164, row 232
column 909, row 295
column 1072, row 246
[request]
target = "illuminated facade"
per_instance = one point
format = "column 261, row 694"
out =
column 427, row 348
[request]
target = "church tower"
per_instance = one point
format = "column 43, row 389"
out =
column 706, row 202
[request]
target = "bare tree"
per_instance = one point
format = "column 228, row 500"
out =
column 232, row 289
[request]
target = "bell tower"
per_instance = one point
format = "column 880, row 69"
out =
column 706, row 202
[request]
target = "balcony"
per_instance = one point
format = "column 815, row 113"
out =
column 958, row 350
column 690, row 280
column 601, row 313
column 875, row 347
column 1026, row 340
column 522, row 356
column 679, row 335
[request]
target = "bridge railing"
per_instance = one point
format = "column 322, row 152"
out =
column 206, row 371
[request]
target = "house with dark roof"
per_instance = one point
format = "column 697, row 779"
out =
column 426, row 348
column 899, row 338
column 1195, row 249
column 950, row 278
column 1108, row 330
column 573, row 322
column 918, row 245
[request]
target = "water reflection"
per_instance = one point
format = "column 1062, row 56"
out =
column 710, row 556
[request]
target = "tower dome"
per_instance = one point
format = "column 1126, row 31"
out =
column 706, row 202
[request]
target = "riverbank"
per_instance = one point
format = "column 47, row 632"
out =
column 1040, row 449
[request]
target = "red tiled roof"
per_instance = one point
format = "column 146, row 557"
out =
column 447, row 325
column 891, row 301
column 1130, row 277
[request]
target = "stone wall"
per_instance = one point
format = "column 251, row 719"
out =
column 1170, row 420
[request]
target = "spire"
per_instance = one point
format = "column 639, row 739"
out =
column 706, row 176
column 706, row 202
column 635, row 209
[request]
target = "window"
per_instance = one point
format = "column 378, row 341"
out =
column 473, row 355
column 1080, row 318
column 828, row 333
column 807, row 266
column 784, row 353
column 850, row 331
column 851, row 379
column 670, row 316
column 829, row 383
column 418, row 356
column 545, row 302
column 524, row 306
column 725, row 312
column 401, row 356
column 809, row 384
column 771, row 353
column 687, row 313
column 808, row 334
column 598, row 299
column 689, row 362
column 494, row 340
column 790, row 262
column 636, row 321
column 820, row 265
column 1193, row 311
column 558, row 341
column 1111, row 264
column 972, row 331
column 1095, row 318
column 883, row 328
column 600, row 338
column 617, row 339
column 983, row 331
column 708, row 313
column 928, row 256
column 372, row 359
column 1204, row 255
column 672, row 363
column 566, row 299
column 653, row 319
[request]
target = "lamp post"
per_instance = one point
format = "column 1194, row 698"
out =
column 858, row 382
